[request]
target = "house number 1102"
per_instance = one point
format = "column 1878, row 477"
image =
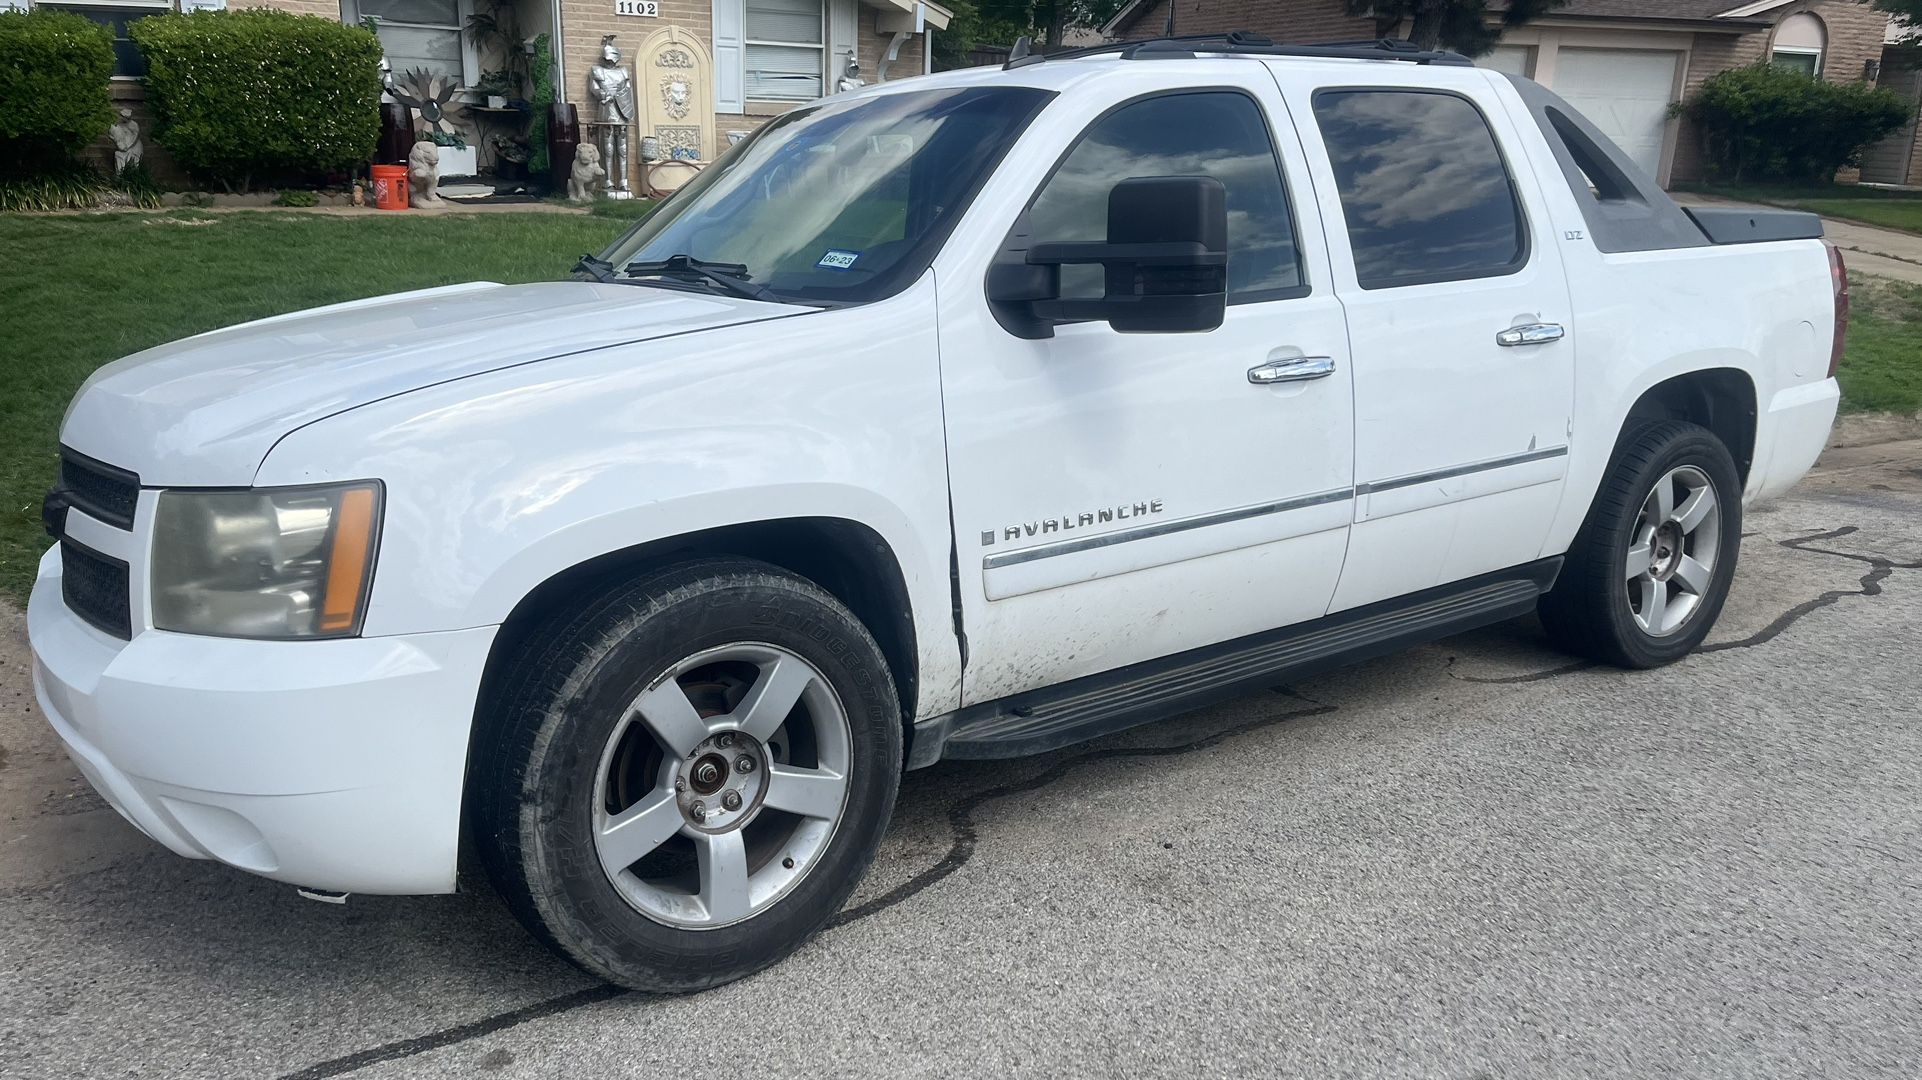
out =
column 649, row 8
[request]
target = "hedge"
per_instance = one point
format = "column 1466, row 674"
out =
column 1767, row 122
column 254, row 96
column 54, row 67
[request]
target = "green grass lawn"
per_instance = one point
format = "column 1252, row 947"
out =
column 1882, row 370
column 1872, row 206
column 79, row 291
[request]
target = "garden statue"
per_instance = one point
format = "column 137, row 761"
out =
column 851, row 78
column 126, row 142
column 611, row 87
column 586, row 174
column 423, row 176
column 360, row 194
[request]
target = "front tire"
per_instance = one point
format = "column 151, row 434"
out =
column 1648, row 573
column 685, row 778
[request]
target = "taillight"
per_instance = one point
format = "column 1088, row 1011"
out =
column 1839, row 272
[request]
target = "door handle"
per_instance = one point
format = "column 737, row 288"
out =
column 1540, row 333
column 1299, row 369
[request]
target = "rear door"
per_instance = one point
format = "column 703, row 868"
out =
column 1458, row 319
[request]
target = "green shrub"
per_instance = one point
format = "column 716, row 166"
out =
column 296, row 197
column 137, row 183
column 542, row 78
column 256, row 96
column 54, row 67
column 1766, row 122
column 70, row 185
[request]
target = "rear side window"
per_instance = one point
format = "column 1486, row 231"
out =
column 1423, row 187
column 1211, row 133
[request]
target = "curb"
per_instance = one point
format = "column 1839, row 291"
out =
column 1869, row 429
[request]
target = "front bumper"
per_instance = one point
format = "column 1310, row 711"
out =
column 329, row 764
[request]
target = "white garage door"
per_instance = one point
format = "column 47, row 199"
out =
column 1509, row 59
column 1625, row 93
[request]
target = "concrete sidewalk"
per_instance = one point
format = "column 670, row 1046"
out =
column 1880, row 252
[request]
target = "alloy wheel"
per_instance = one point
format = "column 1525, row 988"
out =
column 721, row 786
column 1673, row 550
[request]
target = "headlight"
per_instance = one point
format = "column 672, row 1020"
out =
column 271, row 563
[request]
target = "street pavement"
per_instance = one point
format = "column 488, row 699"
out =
column 1476, row 859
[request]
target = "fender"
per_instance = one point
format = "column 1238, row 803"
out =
column 499, row 481
column 1760, row 309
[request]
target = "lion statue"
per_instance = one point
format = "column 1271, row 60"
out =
column 423, row 176
column 587, row 173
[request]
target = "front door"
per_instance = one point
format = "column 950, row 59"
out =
column 1459, row 318
column 1119, row 497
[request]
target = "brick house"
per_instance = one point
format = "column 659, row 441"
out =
column 740, row 62
column 1622, row 62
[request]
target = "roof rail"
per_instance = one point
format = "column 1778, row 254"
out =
column 1239, row 42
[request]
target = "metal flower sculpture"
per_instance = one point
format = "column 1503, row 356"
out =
column 428, row 92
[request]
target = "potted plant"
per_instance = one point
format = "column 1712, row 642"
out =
column 456, row 157
column 498, row 28
column 498, row 86
column 511, row 154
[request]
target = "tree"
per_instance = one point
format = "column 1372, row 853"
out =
column 1047, row 20
column 1461, row 25
column 1906, row 52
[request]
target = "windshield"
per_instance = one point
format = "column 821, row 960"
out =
column 839, row 202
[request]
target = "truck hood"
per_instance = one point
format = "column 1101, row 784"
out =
column 206, row 410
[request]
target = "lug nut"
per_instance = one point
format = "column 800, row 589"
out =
column 680, row 783
column 744, row 764
column 726, row 740
column 698, row 811
column 731, row 800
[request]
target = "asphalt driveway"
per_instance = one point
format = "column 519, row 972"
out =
column 1475, row 859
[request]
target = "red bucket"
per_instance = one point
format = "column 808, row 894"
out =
column 390, row 187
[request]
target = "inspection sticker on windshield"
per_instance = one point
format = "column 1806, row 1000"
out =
column 838, row 260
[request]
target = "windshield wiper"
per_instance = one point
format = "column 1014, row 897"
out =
column 731, row 277
column 598, row 269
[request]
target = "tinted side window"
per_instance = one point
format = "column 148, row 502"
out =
column 1218, row 134
column 1423, row 187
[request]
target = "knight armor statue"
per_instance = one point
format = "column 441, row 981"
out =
column 611, row 88
column 850, row 78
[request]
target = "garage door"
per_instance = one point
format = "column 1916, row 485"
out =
column 1625, row 93
column 1509, row 59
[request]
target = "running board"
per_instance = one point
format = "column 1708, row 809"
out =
column 1052, row 717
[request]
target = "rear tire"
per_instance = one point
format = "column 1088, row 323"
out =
column 683, row 779
column 1647, row 575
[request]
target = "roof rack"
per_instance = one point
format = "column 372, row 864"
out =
column 1238, row 42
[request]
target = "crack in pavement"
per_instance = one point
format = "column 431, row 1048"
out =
column 1880, row 569
column 961, row 848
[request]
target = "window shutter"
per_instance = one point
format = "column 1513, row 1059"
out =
column 730, row 68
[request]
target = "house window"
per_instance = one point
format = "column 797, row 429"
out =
column 127, row 61
column 421, row 34
column 1799, row 44
column 786, row 49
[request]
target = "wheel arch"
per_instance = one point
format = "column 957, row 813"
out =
column 848, row 559
column 1721, row 399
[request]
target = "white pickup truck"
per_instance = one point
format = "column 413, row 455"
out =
column 968, row 416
